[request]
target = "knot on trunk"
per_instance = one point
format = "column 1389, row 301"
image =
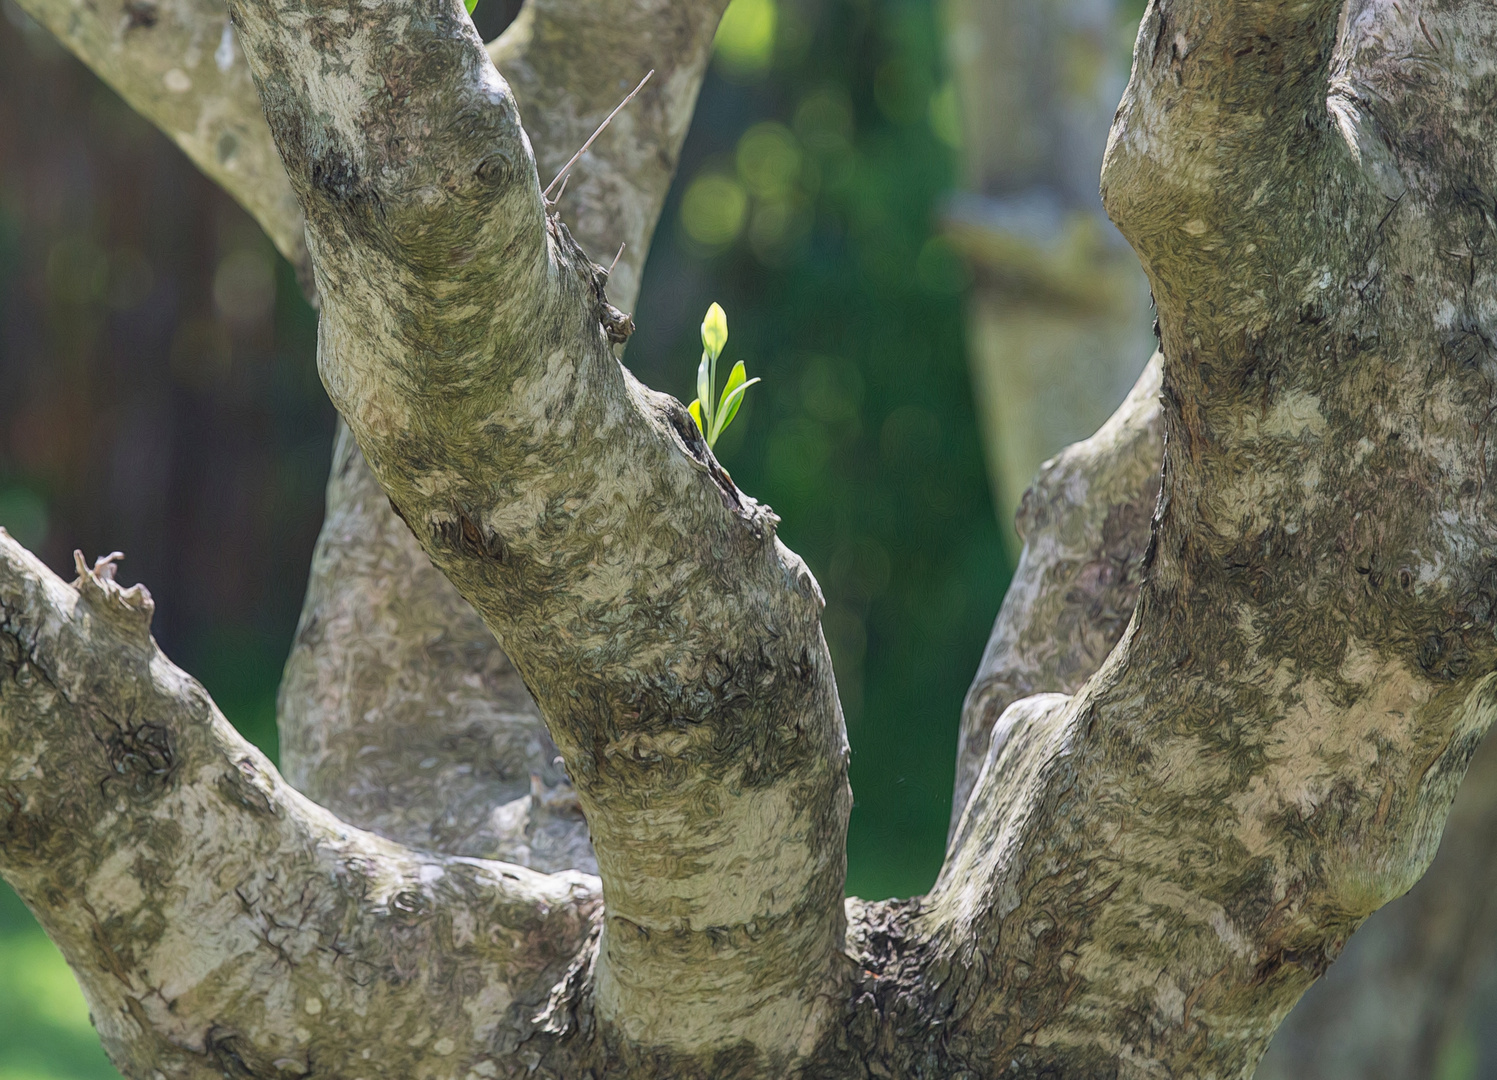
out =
column 463, row 534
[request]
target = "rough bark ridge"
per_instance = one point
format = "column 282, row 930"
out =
column 676, row 654
column 1085, row 526
column 1399, row 992
column 219, row 922
column 1147, row 873
column 398, row 711
column 1298, row 361
column 1403, row 988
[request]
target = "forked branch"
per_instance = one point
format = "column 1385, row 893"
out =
column 679, row 661
column 1149, row 871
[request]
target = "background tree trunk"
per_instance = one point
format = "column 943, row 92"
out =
column 1058, row 315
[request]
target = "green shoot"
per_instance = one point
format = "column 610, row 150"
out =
column 470, row 5
column 712, row 420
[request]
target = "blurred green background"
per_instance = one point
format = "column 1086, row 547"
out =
column 158, row 395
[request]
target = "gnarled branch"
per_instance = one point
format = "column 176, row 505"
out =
column 671, row 642
column 399, row 711
column 1085, row 526
column 219, row 922
column 1168, row 858
column 1150, row 870
column 407, row 718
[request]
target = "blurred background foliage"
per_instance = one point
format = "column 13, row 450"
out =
column 158, row 395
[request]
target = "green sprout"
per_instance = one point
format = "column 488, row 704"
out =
column 470, row 5
column 711, row 421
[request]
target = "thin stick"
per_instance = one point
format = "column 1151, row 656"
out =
column 604, row 124
column 559, row 194
column 616, row 258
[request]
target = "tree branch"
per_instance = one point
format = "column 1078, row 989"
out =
column 672, row 644
column 569, row 62
column 1085, row 525
column 1149, row 871
column 399, row 712
column 218, row 922
column 384, row 636
column 1403, row 988
column 1153, row 870
column 490, row 785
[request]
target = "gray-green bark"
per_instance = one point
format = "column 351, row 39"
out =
column 1085, row 526
column 1148, row 872
column 398, row 710
column 1393, row 1003
column 1400, row 991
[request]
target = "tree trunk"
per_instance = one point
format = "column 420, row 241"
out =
column 1051, row 334
column 1149, row 870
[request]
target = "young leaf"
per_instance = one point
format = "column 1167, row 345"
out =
column 731, row 403
column 735, row 380
column 695, row 408
column 715, row 330
column 470, row 5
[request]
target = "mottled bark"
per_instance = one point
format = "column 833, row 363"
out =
column 1269, row 753
column 1148, row 872
column 1401, row 991
column 219, row 923
column 672, row 644
column 399, row 711
column 1058, row 316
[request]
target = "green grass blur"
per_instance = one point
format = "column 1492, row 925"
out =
column 44, row 1028
column 807, row 203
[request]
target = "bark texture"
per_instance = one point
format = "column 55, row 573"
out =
column 399, row 711
column 219, row 923
column 1400, row 991
column 675, row 653
column 1148, row 871
column 1278, row 735
column 1085, row 526
column 1390, row 1006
